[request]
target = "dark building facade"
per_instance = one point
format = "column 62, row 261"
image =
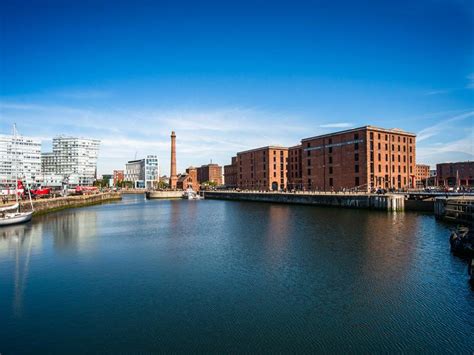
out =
column 230, row 174
column 455, row 174
column 295, row 168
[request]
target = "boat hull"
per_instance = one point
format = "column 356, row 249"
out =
column 15, row 218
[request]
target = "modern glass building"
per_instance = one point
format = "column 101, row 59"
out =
column 20, row 154
column 73, row 156
column 144, row 173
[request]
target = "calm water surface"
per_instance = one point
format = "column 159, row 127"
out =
column 228, row 276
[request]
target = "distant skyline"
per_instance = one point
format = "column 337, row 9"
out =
column 230, row 76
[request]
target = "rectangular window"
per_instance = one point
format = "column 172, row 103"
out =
column 380, row 168
column 356, row 157
column 357, row 182
column 309, row 171
column 330, row 160
column 330, row 182
column 330, row 149
column 356, row 168
column 309, row 162
column 356, row 136
column 356, row 146
column 330, row 170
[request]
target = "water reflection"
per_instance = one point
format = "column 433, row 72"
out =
column 18, row 240
column 181, row 275
column 73, row 231
column 276, row 231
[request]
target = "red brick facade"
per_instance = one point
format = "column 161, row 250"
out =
column 363, row 157
column 230, row 174
column 454, row 174
column 118, row 176
column 262, row 168
column 294, row 168
column 422, row 174
column 211, row 173
column 188, row 180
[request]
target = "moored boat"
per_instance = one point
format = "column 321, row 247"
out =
column 15, row 217
column 190, row 194
column 7, row 219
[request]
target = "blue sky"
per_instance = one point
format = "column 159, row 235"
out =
column 229, row 76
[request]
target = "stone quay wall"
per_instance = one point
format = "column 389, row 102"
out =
column 54, row 204
column 165, row 194
column 378, row 202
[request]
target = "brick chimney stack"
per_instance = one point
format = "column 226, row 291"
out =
column 174, row 176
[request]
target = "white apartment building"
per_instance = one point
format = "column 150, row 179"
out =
column 144, row 173
column 21, row 154
column 73, row 158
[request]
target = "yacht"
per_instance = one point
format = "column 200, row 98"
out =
column 11, row 214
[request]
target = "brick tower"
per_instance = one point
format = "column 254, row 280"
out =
column 173, row 177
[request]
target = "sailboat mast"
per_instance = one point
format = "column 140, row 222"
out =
column 16, row 162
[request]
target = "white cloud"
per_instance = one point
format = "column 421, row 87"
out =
column 443, row 126
column 202, row 135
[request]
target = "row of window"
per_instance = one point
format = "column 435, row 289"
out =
column 379, row 136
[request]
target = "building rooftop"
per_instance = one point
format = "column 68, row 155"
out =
column 386, row 130
column 264, row 148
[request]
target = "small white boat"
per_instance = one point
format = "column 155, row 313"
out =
column 15, row 217
column 190, row 194
column 7, row 219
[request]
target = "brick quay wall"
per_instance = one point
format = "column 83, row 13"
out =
column 42, row 206
column 357, row 200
